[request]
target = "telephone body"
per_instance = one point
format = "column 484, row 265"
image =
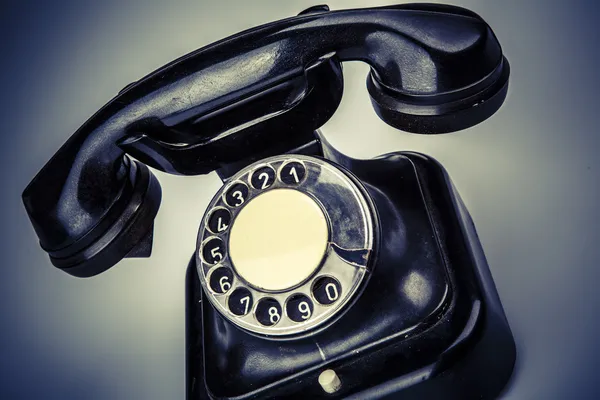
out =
column 315, row 274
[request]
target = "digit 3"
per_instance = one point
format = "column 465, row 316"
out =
column 236, row 195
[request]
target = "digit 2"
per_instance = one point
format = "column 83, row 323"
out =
column 263, row 178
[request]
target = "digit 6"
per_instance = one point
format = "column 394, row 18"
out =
column 225, row 285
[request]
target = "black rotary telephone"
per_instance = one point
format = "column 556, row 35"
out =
column 316, row 275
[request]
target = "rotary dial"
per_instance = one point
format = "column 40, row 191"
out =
column 285, row 244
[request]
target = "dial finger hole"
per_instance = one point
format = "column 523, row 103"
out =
column 221, row 280
column 292, row 173
column 326, row 290
column 240, row 301
column 219, row 220
column 263, row 178
column 299, row 308
column 213, row 251
column 268, row 312
column 236, row 195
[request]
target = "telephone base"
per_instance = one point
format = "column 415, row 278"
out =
column 429, row 323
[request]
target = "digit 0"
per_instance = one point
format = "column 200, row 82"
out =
column 331, row 291
column 326, row 290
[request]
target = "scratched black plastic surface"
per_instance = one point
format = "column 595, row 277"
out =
column 429, row 305
column 434, row 69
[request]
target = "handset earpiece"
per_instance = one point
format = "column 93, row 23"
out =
column 462, row 76
column 256, row 94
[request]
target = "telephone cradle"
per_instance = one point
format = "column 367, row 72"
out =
column 316, row 275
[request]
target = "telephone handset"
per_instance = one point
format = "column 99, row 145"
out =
column 315, row 274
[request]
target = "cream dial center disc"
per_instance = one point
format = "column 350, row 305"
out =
column 278, row 239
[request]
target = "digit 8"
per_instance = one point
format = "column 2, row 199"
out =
column 274, row 316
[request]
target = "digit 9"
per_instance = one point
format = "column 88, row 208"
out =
column 299, row 308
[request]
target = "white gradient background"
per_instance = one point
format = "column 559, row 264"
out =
column 529, row 177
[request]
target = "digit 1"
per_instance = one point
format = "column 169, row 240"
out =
column 295, row 174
